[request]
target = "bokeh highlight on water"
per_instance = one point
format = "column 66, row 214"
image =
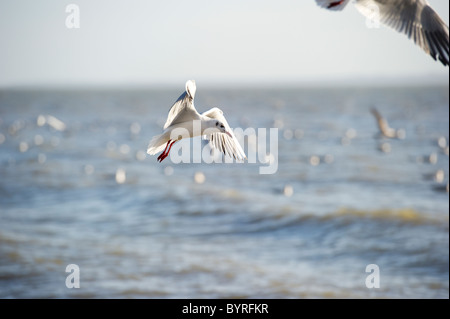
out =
column 76, row 187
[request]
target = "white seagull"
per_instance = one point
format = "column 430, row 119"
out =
column 415, row 18
column 212, row 125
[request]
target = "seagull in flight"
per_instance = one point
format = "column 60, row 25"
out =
column 210, row 124
column 385, row 129
column 415, row 18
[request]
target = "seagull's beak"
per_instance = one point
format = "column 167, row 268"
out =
column 228, row 133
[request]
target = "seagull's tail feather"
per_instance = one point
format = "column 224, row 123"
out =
column 157, row 144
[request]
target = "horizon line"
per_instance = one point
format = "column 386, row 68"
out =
column 363, row 81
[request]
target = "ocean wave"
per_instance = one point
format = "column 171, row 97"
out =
column 402, row 215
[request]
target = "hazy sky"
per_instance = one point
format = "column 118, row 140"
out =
column 145, row 42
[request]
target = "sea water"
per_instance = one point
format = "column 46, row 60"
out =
column 77, row 188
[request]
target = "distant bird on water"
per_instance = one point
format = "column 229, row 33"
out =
column 211, row 124
column 415, row 18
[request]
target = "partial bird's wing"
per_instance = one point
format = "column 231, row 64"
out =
column 383, row 124
column 416, row 19
column 335, row 5
column 183, row 110
column 229, row 145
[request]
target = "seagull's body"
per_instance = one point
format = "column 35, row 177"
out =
column 184, row 116
column 415, row 18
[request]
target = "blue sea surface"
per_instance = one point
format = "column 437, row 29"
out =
column 77, row 187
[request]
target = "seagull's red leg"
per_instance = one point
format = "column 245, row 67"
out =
column 162, row 157
column 334, row 4
column 170, row 147
column 162, row 154
column 167, row 145
column 165, row 154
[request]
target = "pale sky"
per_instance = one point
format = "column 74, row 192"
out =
column 146, row 42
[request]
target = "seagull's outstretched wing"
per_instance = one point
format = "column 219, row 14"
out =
column 229, row 145
column 183, row 109
column 383, row 125
column 416, row 19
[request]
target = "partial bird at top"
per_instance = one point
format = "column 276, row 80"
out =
column 415, row 18
column 181, row 119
